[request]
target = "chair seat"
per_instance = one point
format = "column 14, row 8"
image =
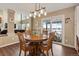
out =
column 27, row 43
column 44, row 42
column 43, row 46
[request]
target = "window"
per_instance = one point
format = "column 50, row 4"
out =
column 21, row 26
column 27, row 26
column 46, row 25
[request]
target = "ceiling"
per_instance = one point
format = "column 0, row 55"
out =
column 27, row 7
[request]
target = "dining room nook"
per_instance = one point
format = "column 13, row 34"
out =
column 39, row 29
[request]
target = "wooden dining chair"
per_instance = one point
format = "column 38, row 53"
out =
column 23, row 46
column 48, row 46
column 77, row 39
column 45, row 35
column 52, row 35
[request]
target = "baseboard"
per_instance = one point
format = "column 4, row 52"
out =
column 8, row 44
column 64, row 45
column 18, row 42
column 57, row 43
column 68, row 45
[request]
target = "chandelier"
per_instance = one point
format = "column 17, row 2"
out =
column 38, row 12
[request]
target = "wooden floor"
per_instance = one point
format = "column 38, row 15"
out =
column 58, row 50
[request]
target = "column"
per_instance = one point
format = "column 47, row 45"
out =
column 11, row 14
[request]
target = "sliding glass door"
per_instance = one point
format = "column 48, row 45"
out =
column 55, row 24
column 57, row 28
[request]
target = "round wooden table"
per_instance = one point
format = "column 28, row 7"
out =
column 35, row 41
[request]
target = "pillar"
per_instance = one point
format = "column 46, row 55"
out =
column 11, row 14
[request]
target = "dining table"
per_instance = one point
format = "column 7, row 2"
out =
column 36, row 41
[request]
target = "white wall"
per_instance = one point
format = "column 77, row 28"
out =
column 78, row 21
column 11, row 38
column 76, row 24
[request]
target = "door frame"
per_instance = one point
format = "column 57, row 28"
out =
column 63, row 26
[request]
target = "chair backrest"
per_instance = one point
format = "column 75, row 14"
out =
column 21, row 39
column 28, row 32
column 77, row 39
column 51, row 36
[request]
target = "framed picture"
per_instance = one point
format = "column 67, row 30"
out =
column 67, row 20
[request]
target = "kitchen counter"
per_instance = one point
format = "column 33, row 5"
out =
column 2, row 35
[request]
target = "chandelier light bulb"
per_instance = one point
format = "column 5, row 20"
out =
column 27, row 17
column 39, row 15
column 45, row 13
column 34, row 16
column 30, row 15
column 35, row 13
column 41, row 11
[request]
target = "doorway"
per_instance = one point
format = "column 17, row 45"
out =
column 55, row 24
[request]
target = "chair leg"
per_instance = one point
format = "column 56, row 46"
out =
column 52, row 51
column 20, row 53
column 24, row 53
column 43, row 51
column 77, row 52
column 47, row 53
